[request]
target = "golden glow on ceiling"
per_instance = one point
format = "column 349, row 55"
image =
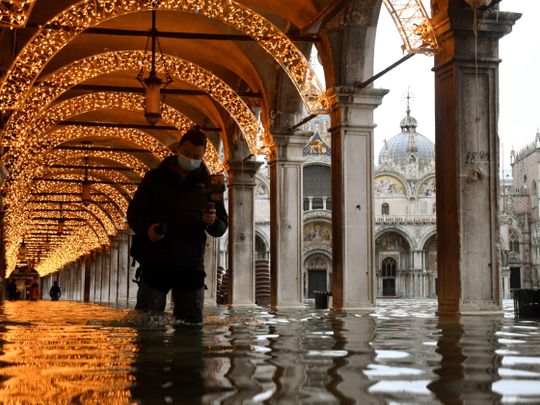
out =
column 14, row 13
column 89, row 13
column 413, row 24
column 59, row 82
column 31, row 136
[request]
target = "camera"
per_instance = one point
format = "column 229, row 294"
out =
column 161, row 229
column 217, row 187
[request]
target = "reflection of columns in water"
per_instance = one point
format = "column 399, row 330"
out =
column 469, row 363
column 352, row 336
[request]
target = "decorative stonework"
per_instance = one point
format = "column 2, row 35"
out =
column 388, row 186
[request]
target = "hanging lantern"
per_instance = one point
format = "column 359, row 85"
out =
column 85, row 195
column 23, row 251
column 60, row 229
column 152, row 85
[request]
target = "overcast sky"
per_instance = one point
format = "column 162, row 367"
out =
column 519, row 85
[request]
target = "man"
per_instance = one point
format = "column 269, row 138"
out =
column 55, row 292
column 170, row 213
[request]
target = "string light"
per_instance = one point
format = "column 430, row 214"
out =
column 16, row 14
column 413, row 24
column 62, row 80
column 64, row 27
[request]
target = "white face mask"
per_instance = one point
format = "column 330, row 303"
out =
column 188, row 164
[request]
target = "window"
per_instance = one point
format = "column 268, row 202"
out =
column 385, row 209
column 513, row 241
column 434, row 209
column 388, row 267
column 317, row 184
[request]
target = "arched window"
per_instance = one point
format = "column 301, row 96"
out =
column 534, row 195
column 385, row 209
column 434, row 209
column 513, row 241
column 261, row 249
column 388, row 267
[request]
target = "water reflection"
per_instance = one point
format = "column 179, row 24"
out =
column 62, row 352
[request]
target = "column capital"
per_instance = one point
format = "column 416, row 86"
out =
column 242, row 172
column 289, row 146
column 455, row 30
column 352, row 95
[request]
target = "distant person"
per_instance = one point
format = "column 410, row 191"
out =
column 35, row 293
column 171, row 212
column 55, row 292
column 11, row 289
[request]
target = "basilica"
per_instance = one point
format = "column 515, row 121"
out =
column 404, row 211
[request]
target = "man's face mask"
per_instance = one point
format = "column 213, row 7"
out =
column 188, row 164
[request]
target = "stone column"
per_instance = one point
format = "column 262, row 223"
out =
column 353, row 279
column 210, row 267
column 286, row 220
column 123, row 264
column 113, row 263
column 87, row 278
column 467, row 156
column 242, row 232
column 98, row 265
column 106, row 275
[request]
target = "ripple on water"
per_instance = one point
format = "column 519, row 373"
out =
column 62, row 352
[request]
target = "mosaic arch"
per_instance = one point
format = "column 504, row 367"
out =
column 89, row 13
column 391, row 241
column 388, row 186
column 81, row 70
column 427, row 188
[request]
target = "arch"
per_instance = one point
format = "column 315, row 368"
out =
column 85, row 14
column 427, row 238
column 385, row 209
column 389, row 185
column 427, row 187
column 262, row 247
column 388, row 267
column 89, row 102
column 68, row 76
column 398, row 231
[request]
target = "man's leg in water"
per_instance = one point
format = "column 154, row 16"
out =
column 188, row 305
column 150, row 299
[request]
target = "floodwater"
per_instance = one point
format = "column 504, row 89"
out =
column 68, row 352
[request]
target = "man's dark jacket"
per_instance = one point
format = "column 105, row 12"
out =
column 165, row 197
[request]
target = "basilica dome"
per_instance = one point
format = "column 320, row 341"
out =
column 408, row 142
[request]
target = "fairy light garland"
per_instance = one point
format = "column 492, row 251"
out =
column 413, row 24
column 89, row 13
column 14, row 13
column 29, row 138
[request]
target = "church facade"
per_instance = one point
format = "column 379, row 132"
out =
column 405, row 262
column 405, row 221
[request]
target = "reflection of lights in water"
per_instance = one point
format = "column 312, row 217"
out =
column 95, row 354
column 54, row 359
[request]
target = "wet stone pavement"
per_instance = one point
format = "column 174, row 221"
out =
column 67, row 352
